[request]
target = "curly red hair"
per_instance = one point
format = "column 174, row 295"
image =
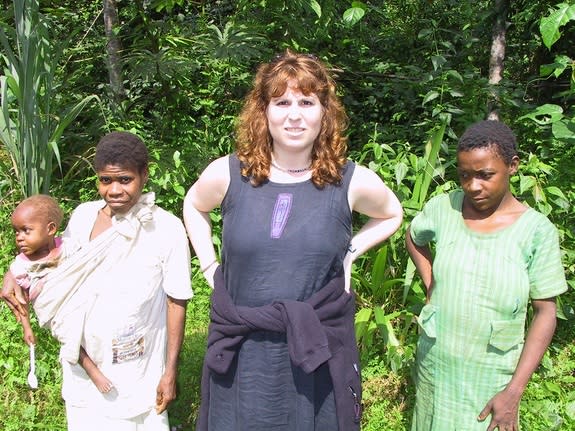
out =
column 253, row 139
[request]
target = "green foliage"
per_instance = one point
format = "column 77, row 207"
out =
column 556, row 122
column 549, row 400
column 168, row 181
column 387, row 398
column 355, row 13
column 183, row 411
column 550, row 25
column 427, row 174
column 30, row 126
column 234, row 42
column 389, row 294
column 39, row 409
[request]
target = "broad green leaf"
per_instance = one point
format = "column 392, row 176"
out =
column 379, row 267
column 552, row 387
column 559, row 197
column 362, row 318
column 455, row 111
column 176, row 158
column 424, row 33
column 180, row 190
column 374, row 166
column 560, row 313
column 455, row 74
column 539, row 195
column 526, row 183
column 411, row 203
column 384, row 325
column 438, row 61
column 545, row 114
column 548, row 69
column 353, row 15
column 564, row 130
column 377, row 151
column 431, row 95
column 549, row 26
column 410, row 272
column 449, row 45
column 561, row 63
column 456, row 93
column 431, row 154
column 388, row 148
column 316, row 7
column 400, row 170
column 556, row 191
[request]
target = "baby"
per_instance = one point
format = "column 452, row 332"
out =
column 35, row 222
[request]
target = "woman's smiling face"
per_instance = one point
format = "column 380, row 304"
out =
column 294, row 119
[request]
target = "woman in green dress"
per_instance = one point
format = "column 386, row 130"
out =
column 492, row 255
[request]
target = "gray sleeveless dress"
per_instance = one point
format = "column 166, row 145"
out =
column 280, row 241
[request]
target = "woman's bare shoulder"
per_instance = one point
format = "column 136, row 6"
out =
column 211, row 187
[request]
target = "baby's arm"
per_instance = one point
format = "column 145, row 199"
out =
column 29, row 337
column 97, row 377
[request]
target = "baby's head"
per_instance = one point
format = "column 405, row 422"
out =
column 35, row 221
column 492, row 135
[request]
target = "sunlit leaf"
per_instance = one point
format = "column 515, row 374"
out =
column 545, row 114
column 562, row 63
column 400, row 170
column 353, row 15
column 431, row 95
column 316, row 7
column 438, row 61
column 570, row 409
column 455, row 74
column 362, row 319
column 549, row 26
column 526, row 183
column 564, row 130
column 385, row 327
column 424, row 33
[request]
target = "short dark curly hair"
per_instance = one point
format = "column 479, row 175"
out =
column 121, row 149
column 490, row 133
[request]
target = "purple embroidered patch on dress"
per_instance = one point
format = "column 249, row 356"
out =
column 281, row 214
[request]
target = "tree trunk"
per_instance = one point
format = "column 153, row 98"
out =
column 497, row 56
column 113, row 48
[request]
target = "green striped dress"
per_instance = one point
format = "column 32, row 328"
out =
column 472, row 331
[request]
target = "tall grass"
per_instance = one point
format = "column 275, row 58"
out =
column 30, row 125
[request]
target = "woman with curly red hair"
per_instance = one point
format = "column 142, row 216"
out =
column 281, row 347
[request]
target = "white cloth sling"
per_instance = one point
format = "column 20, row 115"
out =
column 66, row 297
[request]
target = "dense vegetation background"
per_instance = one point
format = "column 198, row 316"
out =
column 412, row 74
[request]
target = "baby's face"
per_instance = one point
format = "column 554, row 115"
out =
column 33, row 235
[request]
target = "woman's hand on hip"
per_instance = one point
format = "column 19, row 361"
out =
column 504, row 410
